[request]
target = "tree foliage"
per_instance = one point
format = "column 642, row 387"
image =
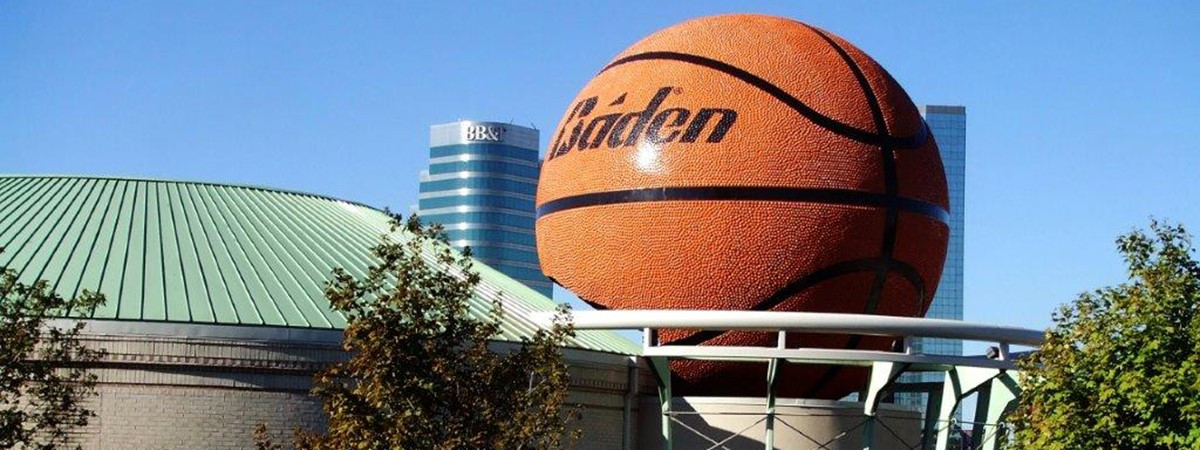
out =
column 43, row 381
column 1121, row 366
column 422, row 374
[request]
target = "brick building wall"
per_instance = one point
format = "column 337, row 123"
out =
column 204, row 389
column 183, row 417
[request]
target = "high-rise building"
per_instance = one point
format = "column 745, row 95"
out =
column 949, row 127
column 480, row 185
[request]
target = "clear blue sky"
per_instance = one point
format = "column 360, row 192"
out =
column 1082, row 117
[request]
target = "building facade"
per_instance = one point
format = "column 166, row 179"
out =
column 949, row 126
column 480, row 184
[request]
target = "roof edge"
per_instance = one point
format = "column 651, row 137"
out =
column 261, row 334
column 204, row 183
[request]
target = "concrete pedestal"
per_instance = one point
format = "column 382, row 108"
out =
column 740, row 423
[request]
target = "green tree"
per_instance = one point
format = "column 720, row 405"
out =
column 1120, row 369
column 43, row 380
column 425, row 374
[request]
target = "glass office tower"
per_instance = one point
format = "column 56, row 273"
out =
column 480, row 184
column 949, row 127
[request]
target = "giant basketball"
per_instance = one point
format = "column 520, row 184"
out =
column 746, row 162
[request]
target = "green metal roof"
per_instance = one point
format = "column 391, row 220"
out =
column 204, row 253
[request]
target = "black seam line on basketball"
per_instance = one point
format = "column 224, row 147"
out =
column 887, row 157
column 908, row 142
column 594, row 305
column 881, row 128
column 824, row 274
column 889, row 170
column 843, row 197
column 907, row 272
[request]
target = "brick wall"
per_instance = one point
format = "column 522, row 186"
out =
column 184, row 417
column 174, row 392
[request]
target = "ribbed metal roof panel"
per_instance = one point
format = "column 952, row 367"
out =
column 187, row 252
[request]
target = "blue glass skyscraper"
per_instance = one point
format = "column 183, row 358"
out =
column 480, row 185
column 949, row 127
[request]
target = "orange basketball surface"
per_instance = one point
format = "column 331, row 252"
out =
column 746, row 162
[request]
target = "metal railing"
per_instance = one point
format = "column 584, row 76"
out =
column 988, row 376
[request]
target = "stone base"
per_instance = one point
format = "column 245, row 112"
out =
column 739, row 423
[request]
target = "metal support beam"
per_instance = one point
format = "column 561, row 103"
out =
column 883, row 374
column 982, row 402
column 773, row 367
column 996, row 399
column 960, row 382
column 662, row 370
column 929, row 432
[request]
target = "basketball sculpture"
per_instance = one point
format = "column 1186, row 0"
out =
column 746, row 162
